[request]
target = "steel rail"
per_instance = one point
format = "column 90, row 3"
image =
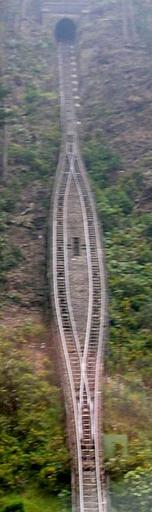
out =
column 75, row 333
column 97, row 378
column 60, row 187
column 66, row 355
column 66, row 266
column 98, row 475
column 128, row 21
column 90, row 357
column 88, row 327
column 86, row 347
column 80, row 454
column 100, row 345
column 132, row 19
column 65, row 243
column 124, row 20
column 84, row 374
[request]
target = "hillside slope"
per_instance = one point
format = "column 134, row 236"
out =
column 114, row 53
column 116, row 96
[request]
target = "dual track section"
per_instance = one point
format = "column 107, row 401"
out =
column 81, row 355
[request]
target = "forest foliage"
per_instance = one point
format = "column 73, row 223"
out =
column 127, row 231
column 33, row 441
column 32, row 438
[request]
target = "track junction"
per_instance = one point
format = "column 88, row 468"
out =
column 79, row 295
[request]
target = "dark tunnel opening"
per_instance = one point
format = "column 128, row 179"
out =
column 65, row 31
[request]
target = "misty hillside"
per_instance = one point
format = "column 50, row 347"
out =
column 114, row 51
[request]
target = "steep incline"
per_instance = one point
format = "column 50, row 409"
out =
column 79, row 297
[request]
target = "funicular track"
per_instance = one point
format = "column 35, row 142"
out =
column 130, row 35
column 82, row 362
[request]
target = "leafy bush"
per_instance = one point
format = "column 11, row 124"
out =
column 32, row 443
column 11, row 256
column 127, row 232
column 135, row 491
column 15, row 507
column 101, row 162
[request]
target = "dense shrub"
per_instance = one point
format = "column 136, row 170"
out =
column 15, row 507
column 32, row 442
column 128, row 254
column 135, row 492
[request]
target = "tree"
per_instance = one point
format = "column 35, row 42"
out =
column 32, row 442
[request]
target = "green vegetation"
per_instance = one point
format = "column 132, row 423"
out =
column 32, row 441
column 11, row 254
column 34, row 500
column 30, row 106
column 127, row 231
column 117, row 151
column 3, row 114
column 127, row 397
column 14, row 507
column 135, row 493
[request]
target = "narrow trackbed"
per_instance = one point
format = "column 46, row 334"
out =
column 130, row 35
column 83, row 359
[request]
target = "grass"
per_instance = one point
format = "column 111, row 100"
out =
column 35, row 501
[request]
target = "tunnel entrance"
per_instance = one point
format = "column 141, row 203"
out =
column 65, row 31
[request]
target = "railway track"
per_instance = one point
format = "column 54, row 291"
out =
column 129, row 23
column 82, row 351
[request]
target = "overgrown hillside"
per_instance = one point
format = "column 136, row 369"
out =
column 116, row 112
column 116, row 96
column 33, row 439
column 114, row 55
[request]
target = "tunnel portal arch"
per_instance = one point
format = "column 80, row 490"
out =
column 65, row 30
